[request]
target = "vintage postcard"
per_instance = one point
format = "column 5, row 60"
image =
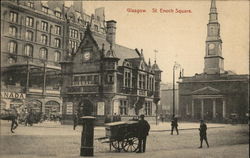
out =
column 124, row 79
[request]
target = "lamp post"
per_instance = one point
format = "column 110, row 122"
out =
column 176, row 65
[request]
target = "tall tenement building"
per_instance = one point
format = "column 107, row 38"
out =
column 35, row 36
column 215, row 94
column 57, row 59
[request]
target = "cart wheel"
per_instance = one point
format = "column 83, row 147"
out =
column 130, row 144
column 117, row 145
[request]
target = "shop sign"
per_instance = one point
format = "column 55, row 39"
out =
column 13, row 95
column 69, row 108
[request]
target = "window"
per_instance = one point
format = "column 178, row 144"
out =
column 123, row 107
column 73, row 44
column 11, row 60
column 57, row 56
column 29, row 35
column 96, row 28
column 13, row 17
column 127, row 79
column 73, row 33
column 57, row 43
column 12, row 47
column 150, row 83
column 148, row 108
column 44, row 39
column 29, row 21
column 110, row 78
column 85, row 80
column 57, row 30
column 43, row 53
column 12, row 31
column 58, row 14
column 28, row 50
column 44, row 26
column 142, row 81
column 81, row 35
column 45, row 9
column 30, row 4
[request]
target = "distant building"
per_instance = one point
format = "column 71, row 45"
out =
column 214, row 94
column 166, row 105
column 35, row 37
column 105, row 79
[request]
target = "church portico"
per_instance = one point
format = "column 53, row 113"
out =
column 208, row 107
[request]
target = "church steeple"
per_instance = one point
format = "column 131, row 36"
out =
column 213, row 57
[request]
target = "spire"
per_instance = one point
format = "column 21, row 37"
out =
column 213, row 12
column 213, row 6
column 149, row 62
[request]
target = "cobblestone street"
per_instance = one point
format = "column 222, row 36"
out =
column 51, row 139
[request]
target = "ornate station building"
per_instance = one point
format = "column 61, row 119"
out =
column 216, row 93
column 103, row 78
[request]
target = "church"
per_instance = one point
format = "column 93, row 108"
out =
column 216, row 94
column 102, row 78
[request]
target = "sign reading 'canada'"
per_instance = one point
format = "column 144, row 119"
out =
column 13, row 95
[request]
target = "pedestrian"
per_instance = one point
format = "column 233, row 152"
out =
column 14, row 117
column 75, row 119
column 174, row 125
column 143, row 129
column 203, row 133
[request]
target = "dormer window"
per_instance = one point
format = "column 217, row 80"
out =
column 45, row 9
column 30, row 4
column 58, row 14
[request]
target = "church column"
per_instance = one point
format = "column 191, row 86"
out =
column 202, row 109
column 214, row 108
column 192, row 108
column 224, row 108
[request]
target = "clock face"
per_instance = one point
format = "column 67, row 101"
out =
column 86, row 55
column 211, row 46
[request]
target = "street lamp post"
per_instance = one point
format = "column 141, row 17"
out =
column 176, row 65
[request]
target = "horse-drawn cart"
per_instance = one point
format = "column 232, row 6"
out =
column 122, row 136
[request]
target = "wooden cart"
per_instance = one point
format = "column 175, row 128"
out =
column 122, row 136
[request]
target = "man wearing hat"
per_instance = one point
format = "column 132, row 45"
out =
column 143, row 129
column 203, row 132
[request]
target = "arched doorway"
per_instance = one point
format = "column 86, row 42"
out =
column 35, row 106
column 85, row 108
column 52, row 107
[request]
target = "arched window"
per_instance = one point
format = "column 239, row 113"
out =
column 43, row 53
column 29, row 35
column 57, row 43
column 44, row 39
column 28, row 50
column 12, row 47
column 12, row 31
column 57, row 56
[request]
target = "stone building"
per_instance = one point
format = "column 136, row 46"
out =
column 35, row 36
column 215, row 94
column 105, row 79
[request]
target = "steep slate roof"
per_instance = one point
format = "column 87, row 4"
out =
column 121, row 52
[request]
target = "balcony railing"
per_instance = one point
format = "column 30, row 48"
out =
column 20, row 59
column 83, row 89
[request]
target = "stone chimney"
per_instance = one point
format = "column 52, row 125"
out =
column 111, row 31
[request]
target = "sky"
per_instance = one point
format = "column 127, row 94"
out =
column 180, row 37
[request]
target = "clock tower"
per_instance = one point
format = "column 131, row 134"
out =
column 214, row 62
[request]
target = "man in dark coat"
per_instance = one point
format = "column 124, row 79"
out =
column 143, row 129
column 75, row 120
column 174, row 125
column 14, row 123
column 203, row 133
